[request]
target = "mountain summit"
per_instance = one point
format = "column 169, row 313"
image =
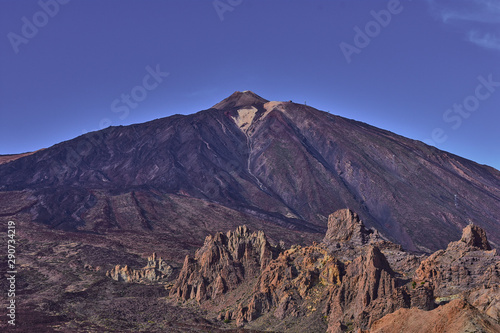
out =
column 279, row 166
column 240, row 99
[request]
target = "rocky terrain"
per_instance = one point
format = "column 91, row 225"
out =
column 345, row 283
column 458, row 316
column 240, row 281
column 61, row 286
column 156, row 270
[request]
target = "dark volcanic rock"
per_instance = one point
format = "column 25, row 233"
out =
column 240, row 99
column 278, row 161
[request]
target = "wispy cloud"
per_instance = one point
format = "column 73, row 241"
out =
column 486, row 40
column 479, row 19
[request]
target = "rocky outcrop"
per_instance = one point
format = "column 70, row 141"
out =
column 465, row 264
column 224, row 262
column 306, row 283
column 468, row 270
column 345, row 226
column 458, row 316
column 486, row 300
column 350, row 281
column 369, row 290
column 156, row 270
column 347, row 236
column 475, row 237
column 291, row 285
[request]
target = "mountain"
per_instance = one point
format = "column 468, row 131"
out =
column 280, row 166
column 126, row 229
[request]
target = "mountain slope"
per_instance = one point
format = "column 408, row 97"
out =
column 278, row 162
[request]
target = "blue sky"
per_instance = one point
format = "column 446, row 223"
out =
column 428, row 69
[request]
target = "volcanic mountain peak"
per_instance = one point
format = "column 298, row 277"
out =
column 271, row 161
column 240, row 99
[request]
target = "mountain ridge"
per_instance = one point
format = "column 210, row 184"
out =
column 288, row 163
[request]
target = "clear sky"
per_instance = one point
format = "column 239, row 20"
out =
column 427, row 69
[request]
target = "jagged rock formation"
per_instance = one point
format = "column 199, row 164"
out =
column 468, row 269
column 224, row 261
column 465, row 264
column 369, row 291
column 465, row 278
column 345, row 226
column 353, row 280
column 302, row 284
column 457, row 316
column 286, row 285
column 156, row 270
column 474, row 236
column 347, row 236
